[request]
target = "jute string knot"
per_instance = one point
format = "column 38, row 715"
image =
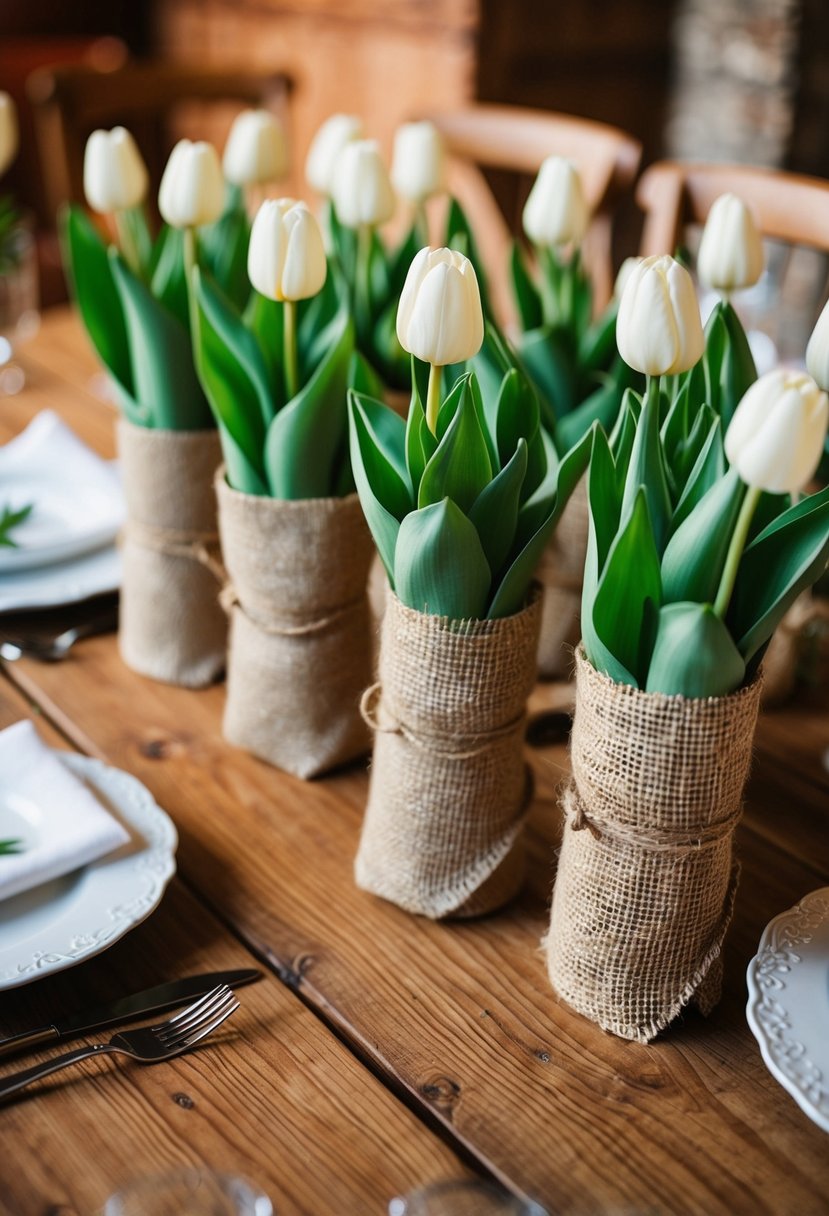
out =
column 201, row 547
column 446, row 745
column 653, row 840
column 230, row 600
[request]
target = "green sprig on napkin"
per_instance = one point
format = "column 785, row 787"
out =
column 11, row 518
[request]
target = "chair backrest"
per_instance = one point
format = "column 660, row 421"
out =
column 791, row 210
column 517, row 139
column 786, row 206
column 71, row 101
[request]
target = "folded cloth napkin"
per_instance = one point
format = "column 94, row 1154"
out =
column 61, row 822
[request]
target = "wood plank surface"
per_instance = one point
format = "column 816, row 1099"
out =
column 274, row 1096
column 461, row 1017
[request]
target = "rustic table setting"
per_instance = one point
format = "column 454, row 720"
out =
column 381, row 1052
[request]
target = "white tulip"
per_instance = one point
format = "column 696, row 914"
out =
column 418, row 168
column 286, row 257
column 115, row 177
column 256, row 150
column 192, row 187
column 556, row 211
column 361, row 188
column 326, row 146
column 731, row 250
column 776, row 436
column 817, row 352
column 9, row 134
column 658, row 329
column 439, row 317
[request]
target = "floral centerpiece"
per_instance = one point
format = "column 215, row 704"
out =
column 461, row 500
column 694, row 557
column 134, row 298
column 294, row 541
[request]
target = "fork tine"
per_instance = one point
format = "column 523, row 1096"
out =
column 192, row 1008
column 181, row 1033
column 213, row 1025
column 194, row 1013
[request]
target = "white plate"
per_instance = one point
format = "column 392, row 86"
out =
column 76, row 498
column 67, row 921
column 66, row 583
column 788, row 1002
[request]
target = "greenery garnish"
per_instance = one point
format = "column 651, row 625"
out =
column 10, row 519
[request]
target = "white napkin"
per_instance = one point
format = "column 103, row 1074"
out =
column 64, row 826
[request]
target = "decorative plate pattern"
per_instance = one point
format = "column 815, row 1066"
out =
column 73, row 918
column 788, row 1002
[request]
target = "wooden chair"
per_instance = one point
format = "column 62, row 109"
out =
column 791, row 210
column 70, row 102
column 516, row 139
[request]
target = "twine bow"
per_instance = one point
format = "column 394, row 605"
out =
column 653, row 840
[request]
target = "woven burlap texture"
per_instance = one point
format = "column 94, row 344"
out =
column 449, row 787
column 646, row 881
column 300, row 647
column 561, row 572
column 172, row 627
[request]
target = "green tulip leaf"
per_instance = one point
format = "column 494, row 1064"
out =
column 98, row 299
column 604, row 498
column 265, row 320
column 601, row 406
column 780, row 563
column 161, row 356
column 224, row 249
column 169, row 278
column 646, row 470
column 709, row 469
column 511, row 593
column 548, row 358
column 527, row 299
column 515, row 416
column 459, row 236
column 597, row 342
column 439, row 564
column 306, row 436
column 385, row 465
column 628, row 596
column 694, row 557
column 495, row 511
column 460, row 466
column 694, row 654
column 382, row 524
column 738, row 371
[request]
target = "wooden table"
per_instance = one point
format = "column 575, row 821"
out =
column 383, row 1051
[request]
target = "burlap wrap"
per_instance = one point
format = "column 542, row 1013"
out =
column 172, row 627
column 300, row 647
column 449, row 786
column 646, row 882
column 561, row 572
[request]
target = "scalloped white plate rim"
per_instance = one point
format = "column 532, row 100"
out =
column 111, row 896
column 800, row 1064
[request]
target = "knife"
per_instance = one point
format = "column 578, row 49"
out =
column 128, row 1009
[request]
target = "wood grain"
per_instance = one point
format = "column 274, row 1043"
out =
column 461, row 1018
column 274, row 1096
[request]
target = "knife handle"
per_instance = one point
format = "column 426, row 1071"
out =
column 27, row 1040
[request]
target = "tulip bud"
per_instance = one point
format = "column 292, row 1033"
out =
column 556, row 211
column 192, row 187
column 326, row 146
column 439, row 317
column 418, row 167
column 776, row 437
column 286, row 257
column 115, row 177
column 731, row 250
column 817, row 352
column 658, row 329
column 255, row 151
column 361, row 189
column 9, row 135
column 624, row 274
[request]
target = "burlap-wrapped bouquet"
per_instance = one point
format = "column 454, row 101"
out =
column 449, row 785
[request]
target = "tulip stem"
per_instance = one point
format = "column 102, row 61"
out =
column 289, row 348
column 127, row 241
column 735, row 551
column 421, row 223
column 362, row 283
column 191, row 261
column 433, row 398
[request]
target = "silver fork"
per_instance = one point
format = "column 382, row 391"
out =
column 149, row 1044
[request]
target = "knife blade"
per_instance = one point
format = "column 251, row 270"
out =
column 128, row 1008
